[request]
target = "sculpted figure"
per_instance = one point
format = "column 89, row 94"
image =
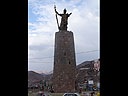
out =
column 64, row 19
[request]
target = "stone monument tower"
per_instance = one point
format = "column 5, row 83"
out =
column 64, row 74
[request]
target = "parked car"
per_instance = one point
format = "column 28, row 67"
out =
column 85, row 93
column 71, row 94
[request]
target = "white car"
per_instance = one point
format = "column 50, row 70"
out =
column 71, row 94
column 85, row 93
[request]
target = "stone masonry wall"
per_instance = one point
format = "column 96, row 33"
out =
column 64, row 63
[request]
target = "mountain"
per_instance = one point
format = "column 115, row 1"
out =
column 46, row 73
column 83, row 71
column 50, row 72
column 35, row 78
column 43, row 73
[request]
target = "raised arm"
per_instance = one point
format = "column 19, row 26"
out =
column 69, row 14
column 56, row 11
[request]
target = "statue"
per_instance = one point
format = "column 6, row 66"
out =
column 64, row 19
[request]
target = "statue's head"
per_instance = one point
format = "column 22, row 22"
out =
column 65, row 11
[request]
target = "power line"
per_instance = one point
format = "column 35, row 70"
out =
column 53, row 62
column 87, row 51
column 41, row 62
column 42, row 58
column 76, row 53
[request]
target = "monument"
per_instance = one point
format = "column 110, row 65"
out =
column 64, row 73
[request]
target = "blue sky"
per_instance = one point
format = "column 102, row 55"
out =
column 84, row 23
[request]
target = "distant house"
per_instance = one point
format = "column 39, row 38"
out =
column 88, row 71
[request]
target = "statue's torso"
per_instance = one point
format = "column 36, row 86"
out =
column 64, row 18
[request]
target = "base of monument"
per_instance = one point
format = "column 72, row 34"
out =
column 64, row 74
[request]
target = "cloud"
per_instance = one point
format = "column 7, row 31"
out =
column 84, row 23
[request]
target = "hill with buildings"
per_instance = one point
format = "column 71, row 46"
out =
column 84, row 72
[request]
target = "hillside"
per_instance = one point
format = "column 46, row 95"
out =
column 35, row 78
column 84, row 71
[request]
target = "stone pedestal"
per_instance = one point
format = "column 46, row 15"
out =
column 64, row 62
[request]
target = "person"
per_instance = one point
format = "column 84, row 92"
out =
column 98, row 94
column 64, row 19
column 80, row 90
column 87, row 94
column 92, row 93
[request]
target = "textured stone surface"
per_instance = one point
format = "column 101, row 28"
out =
column 64, row 62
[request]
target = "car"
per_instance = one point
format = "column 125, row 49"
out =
column 85, row 93
column 71, row 94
